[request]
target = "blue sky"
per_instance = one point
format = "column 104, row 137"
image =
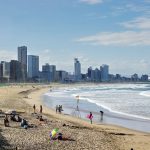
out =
column 113, row 32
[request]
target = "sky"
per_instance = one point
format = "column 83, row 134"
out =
column 113, row 32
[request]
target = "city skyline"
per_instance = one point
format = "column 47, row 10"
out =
column 16, row 71
column 95, row 31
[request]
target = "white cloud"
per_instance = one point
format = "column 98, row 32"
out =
column 92, row 2
column 138, row 23
column 6, row 55
column 127, row 38
column 125, row 67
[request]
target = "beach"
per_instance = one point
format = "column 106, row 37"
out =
column 79, row 134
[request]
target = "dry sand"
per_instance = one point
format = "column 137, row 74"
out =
column 79, row 134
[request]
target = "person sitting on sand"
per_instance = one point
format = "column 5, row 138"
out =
column 19, row 118
column 6, row 121
column 24, row 124
column 41, row 119
column 13, row 118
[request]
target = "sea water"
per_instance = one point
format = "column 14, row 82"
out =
column 127, row 105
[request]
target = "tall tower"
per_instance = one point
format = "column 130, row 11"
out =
column 15, row 71
column 77, row 69
column 33, row 66
column 22, row 58
column 104, row 73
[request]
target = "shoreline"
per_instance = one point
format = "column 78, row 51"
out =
column 52, row 112
column 110, row 117
column 102, row 136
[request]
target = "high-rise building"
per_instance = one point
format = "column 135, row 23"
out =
column 144, row 78
column 22, row 58
column 48, row 72
column 15, row 71
column 97, row 75
column 89, row 72
column 5, row 69
column 33, row 66
column 104, row 73
column 61, row 75
column 77, row 69
column 53, row 72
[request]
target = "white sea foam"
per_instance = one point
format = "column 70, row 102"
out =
column 145, row 93
column 122, row 99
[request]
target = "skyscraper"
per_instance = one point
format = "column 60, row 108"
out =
column 5, row 69
column 49, row 72
column 77, row 69
column 22, row 58
column 33, row 66
column 15, row 71
column 104, row 73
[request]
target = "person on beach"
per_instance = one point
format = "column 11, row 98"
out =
column 13, row 117
column 41, row 118
column 90, row 116
column 56, row 108
column 59, row 109
column 6, row 121
column 101, row 112
column 34, row 108
column 41, row 109
column 24, row 124
column 19, row 118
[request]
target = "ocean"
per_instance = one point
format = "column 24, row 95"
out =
column 126, row 105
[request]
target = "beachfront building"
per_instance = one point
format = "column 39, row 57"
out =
column 48, row 73
column 22, row 58
column 104, row 73
column 135, row 77
column 33, row 66
column 77, row 69
column 5, row 70
column 61, row 76
column 144, row 78
column 53, row 72
column 89, row 73
column 97, row 75
column 15, row 71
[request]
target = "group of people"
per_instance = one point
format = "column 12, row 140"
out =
column 34, row 109
column 90, row 116
column 16, row 118
column 59, row 108
column 13, row 117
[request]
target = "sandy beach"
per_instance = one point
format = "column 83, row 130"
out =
column 78, row 133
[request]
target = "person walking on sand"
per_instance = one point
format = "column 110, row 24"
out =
column 91, row 117
column 34, row 108
column 101, row 112
column 41, row 109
